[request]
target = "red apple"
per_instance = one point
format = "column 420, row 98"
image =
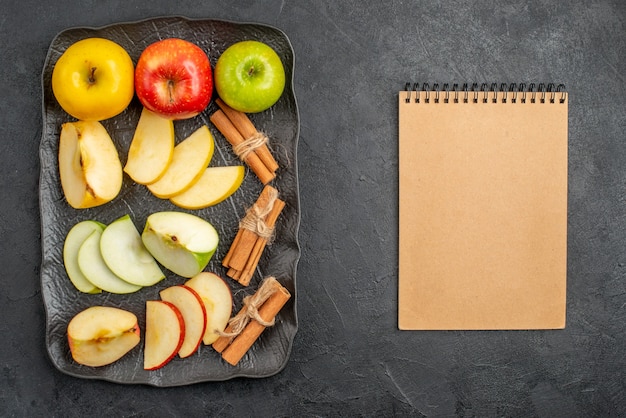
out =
column 173, row 78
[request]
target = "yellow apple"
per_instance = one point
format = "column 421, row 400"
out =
column 151, row 149
column 190, row 158
column 100, row 335
column 93, row 79
column 89, row 164
column 215, row 185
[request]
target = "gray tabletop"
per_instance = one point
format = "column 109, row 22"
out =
column 348, row 357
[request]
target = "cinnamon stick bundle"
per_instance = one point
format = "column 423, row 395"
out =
column 249, row 144
column 255, row 231
column 258, row 313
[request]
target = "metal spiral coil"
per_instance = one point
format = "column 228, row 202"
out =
column 505, row 93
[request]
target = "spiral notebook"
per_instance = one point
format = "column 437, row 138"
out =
column 482, row 207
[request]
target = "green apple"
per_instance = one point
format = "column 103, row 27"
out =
column 181, row 242
column 94, row 268
column 249, row 76
column 73, row 240
column 124, row 253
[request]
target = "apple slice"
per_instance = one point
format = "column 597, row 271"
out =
column 125, row 255
column 101, row 335
column 215, row 185
column 165, row 332
column 94, row 268
column 151, row 149
column 218, row 302
column 190, row 158
column 89, row 165
column 192, row 309
column 181, row 242
column 73, row 240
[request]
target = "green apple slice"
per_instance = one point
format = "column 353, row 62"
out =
column 124, row 253
column 73, row 240
column 183, row 243
column 94, row 268
column 215, row 185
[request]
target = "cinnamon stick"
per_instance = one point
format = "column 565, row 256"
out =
column 233, row 348
column 232, row 135
column 247, row 130
column 259, row 245
column 245, row 251
column 241, row 247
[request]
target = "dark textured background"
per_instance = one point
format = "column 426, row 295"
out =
column 348, row 357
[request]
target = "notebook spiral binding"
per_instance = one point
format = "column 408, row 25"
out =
column 473, row 93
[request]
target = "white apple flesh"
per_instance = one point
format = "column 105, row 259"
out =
column 94, row 268
column 89, row 166
column 73, row 240
column 218, row 303
column 183, row 243
column 124, row 253
column 101, row 335
column 192, row 309
column 165, row 332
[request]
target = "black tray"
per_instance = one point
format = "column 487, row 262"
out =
column 281, row 123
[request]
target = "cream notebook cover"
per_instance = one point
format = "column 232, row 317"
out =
column 482, row 208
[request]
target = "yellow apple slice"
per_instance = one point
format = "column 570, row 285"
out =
column 190, row 158
column 214, row 186
column 100, row 335
column 165, row 332
column 89, row 164
column 151, row 149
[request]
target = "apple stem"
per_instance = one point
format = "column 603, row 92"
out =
column 92, row 76
column 170, row 90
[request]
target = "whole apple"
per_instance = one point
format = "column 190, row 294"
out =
column 93, row 79
column 249, row 76
column 173, row 78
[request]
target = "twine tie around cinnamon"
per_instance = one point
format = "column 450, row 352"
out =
column 251, row 303
column 250, row 145
column 255, row 218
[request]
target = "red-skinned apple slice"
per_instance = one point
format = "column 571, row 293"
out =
column 192, row 309
column 218, row 302
column 165, row 332
column 101, row 335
